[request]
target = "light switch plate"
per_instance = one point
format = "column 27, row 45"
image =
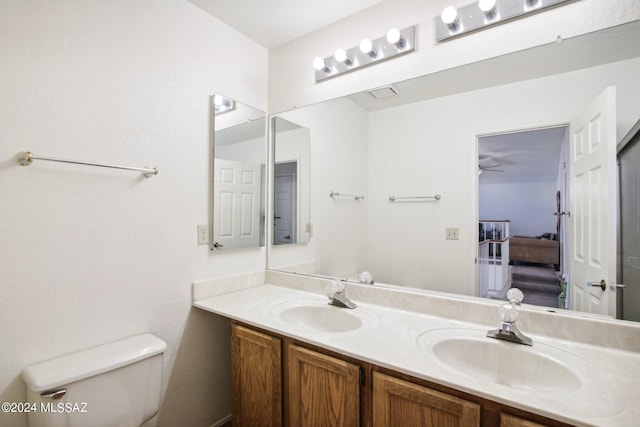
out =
column 203, row 234
column 452, row 233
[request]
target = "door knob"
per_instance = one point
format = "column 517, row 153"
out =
column 602, row 284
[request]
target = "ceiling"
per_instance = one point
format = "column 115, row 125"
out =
column 273, row 23
column 527, row 156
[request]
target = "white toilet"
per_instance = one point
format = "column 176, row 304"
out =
column 113, row 385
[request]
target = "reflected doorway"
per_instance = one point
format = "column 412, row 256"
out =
column 520, row 177
column 285, row 206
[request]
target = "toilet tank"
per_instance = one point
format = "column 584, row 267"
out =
column 113, row 385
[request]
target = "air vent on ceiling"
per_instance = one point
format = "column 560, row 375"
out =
column 384, row 92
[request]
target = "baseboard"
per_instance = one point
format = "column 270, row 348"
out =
column 222, row 422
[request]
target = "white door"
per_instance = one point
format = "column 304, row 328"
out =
column 236, row 213
column 593, row 206
column 283, row 210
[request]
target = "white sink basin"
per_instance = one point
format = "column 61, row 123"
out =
column 324, row 318
column 319, row 316
column 537, row 368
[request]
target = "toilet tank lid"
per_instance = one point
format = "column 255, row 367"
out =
column 94, row 361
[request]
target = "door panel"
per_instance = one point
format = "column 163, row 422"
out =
column 593, row 205
column 236, row 216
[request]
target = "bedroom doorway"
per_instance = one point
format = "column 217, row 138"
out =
column 522, row 178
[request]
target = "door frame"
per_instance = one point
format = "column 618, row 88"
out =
column 524, row 127
column 630, row 140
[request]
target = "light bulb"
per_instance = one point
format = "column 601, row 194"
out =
column 393, row 36
column 319, row 63
column 366, row 46
column 218, row 100
column 487, row 6
column 341, row 56
column 449, row 16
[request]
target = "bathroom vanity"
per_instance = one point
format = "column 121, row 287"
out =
column 287, row 382
column 403, row 358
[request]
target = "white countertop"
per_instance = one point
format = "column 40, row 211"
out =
column 388, row 338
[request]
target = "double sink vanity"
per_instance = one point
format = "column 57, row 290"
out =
column 407, row 358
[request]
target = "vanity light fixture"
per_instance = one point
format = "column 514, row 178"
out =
column 449, row 17
column 342, row 56
column 394, row 37
column 366, row 46
column 484, row 13
column 488, row 7
column 223, row 105
column 531, row 4
column 320, row 65
column 395, row 43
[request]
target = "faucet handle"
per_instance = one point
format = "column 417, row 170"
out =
column 338, row 286
column 508, row 312
column 515, row 296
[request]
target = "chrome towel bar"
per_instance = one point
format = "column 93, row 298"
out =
column 414, row 198
column 25, row 158
column 338, row 194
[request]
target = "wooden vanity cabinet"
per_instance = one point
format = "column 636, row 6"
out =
column 323, row 390
column 278, row 381
column 256, row 377
column 511, row 421
column 398, row 402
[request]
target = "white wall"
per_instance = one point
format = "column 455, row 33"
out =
column 430, row 147
column 251, row 151
column 291, row 76
column 339, row 153
column 528, row 205
column 90, row 255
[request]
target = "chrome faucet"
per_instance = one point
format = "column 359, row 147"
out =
column 337, row 297
column 508, row 330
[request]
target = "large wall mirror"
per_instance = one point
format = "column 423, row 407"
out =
column 238, row 154
column 420, row 138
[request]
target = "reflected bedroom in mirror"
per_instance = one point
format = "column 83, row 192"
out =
column 444, row 134
column 238, row 153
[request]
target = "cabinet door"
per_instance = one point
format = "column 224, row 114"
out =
column 323, row 390
column 401, row 403
column 256, row 378
column 511, row 421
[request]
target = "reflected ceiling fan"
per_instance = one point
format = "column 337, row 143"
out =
column 502, row 158
column 489, row 168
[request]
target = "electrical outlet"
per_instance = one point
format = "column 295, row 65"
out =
column 203, row 234
column 452, row 233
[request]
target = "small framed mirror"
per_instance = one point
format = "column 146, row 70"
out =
column 238, row 164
